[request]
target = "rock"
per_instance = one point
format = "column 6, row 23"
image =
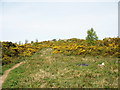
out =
column 102, row 64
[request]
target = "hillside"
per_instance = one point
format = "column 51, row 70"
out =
column 67, row 63
column 47, row 70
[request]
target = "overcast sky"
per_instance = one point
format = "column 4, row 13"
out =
column 57, row 20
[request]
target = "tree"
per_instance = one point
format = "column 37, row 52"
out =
column 36, row 40
column 26, row 41
column 32, row 41
column 91, row 37
column 19, row 42
column 54, row 40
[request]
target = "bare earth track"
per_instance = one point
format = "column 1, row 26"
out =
column 4, row 76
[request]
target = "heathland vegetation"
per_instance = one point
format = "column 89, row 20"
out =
column 56, row 63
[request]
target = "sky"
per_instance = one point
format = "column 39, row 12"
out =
column 45, row 20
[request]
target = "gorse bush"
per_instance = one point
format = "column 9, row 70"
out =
column 74, row 46
column 105, row 47
column 12, row 50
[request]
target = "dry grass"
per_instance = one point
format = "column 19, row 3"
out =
column 47, row 70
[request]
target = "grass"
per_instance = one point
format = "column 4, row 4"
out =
column 15, row 61
column 47, row 70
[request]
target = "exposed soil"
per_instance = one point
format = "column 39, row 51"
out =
column 4, row 76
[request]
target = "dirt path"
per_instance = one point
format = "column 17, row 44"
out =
column 4, row 76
